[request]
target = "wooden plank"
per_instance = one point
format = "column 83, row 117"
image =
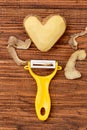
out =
column 18, row 88
column 55, row 4
column 7, row 128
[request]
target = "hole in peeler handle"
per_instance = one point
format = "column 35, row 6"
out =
column 42, row 111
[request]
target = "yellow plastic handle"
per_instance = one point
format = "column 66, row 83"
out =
column 43, row 101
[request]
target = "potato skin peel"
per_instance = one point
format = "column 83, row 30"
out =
column 13, row 43
column 72, row 41
column 70, row 70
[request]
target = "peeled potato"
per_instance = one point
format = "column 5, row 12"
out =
column 44, row 33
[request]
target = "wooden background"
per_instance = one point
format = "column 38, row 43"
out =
column 18, row 88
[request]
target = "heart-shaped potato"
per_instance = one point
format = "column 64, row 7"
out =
column 44, row 33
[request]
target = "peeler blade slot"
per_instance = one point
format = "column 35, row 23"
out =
column 43, row 64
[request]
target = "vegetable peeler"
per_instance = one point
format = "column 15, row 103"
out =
column 43, row 101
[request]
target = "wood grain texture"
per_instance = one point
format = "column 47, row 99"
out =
column 18, row 89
